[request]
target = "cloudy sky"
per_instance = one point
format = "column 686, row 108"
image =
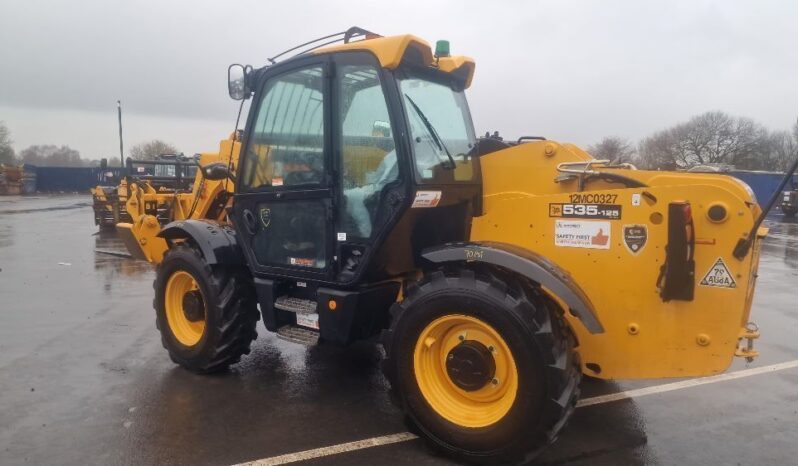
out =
column 569, row 70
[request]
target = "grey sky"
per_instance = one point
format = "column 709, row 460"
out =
column 572, row 71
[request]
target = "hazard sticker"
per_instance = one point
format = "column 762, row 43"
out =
column 719, row 276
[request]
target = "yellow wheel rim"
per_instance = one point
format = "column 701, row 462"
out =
column 478, row 408
column 186, row 331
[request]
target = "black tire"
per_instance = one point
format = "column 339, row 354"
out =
column 230, row 311
column 789, row 213
column 548, row 367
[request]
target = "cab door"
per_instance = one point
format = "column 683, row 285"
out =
column 369, row 161
column 283, row 205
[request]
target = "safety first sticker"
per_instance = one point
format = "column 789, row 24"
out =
column 582, row 234
column 425, row 199
column 719, row 276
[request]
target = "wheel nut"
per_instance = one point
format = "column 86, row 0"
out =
column 495, row 381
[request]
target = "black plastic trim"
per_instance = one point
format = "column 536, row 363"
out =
column 217, row 243
column 526, row 263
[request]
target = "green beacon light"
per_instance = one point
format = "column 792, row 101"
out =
column 442, row 48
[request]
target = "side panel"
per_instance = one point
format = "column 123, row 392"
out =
column 613, row 243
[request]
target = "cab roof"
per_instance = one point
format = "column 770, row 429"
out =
column 391, row 51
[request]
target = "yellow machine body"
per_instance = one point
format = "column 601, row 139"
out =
column 141, row 235
column 643, row 336
column 109, row 204
column 524, row 190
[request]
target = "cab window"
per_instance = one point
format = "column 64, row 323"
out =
column 441, row 130
column 367, row 147
column 286, row 146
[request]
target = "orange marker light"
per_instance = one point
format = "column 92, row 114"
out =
column 332, row 305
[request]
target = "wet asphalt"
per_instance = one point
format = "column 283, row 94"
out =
column 84, row 378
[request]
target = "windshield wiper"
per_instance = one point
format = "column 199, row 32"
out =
column 431, row 129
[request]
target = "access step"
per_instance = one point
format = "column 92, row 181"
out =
column 297, row 305
column 300, row 335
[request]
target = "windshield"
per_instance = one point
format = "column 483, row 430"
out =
column 441, row 131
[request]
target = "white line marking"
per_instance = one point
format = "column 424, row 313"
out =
column 669, row 387
column 405, row 436
column 332, row 450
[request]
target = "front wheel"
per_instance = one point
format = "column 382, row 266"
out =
column 483, row 370
column 206, row 313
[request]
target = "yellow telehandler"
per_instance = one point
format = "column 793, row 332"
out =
column 161, row 178
column 495, row 273
column 152, row 204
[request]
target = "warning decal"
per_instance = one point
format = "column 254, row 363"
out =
column 719, row 276
column 582, row 234
column 425, row 199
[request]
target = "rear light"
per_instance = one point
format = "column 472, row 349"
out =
column 677, row 274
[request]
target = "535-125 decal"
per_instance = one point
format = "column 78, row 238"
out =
column 602, row 211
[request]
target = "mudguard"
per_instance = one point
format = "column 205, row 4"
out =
column 527, row 263
column 217, row 242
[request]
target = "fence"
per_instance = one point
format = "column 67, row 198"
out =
column 73, row 179
column 763, row 184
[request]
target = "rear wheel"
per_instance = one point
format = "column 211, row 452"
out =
column 484, row 371
column 206, row 313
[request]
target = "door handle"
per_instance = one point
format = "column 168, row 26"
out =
column 249, row 221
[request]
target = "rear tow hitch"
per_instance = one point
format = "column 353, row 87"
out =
column 749, row 334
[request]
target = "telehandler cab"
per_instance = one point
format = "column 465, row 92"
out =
column 495, row 273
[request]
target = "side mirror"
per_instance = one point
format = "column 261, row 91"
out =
column 216, row 171
column 237, row 85
column 103, row 163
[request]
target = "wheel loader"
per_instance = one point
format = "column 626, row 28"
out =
column 358, row 203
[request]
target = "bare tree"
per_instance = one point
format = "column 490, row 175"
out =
column 782, row 150
column 709, row 138
column 6, row 151
column 51, row 156
column 612, row 148
column 657, row 152
column 151, row 149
